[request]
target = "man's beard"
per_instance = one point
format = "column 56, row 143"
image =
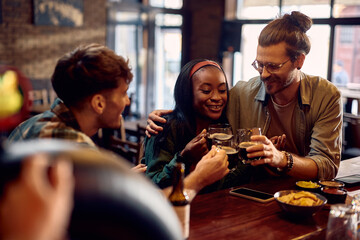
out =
column 280, row 85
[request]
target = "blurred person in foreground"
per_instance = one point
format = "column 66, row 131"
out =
column 37, row 204
column 201, row 92
column 304, row 110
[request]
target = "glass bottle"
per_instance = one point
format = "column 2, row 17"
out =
column 179, row 199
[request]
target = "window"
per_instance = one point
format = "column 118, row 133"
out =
column 316, row 62
column 151, row 38
column 125, row 38
column 346, row 34
column 242, row 70
column 312, row 8
column 174, row 4
column 250, row 9
column 335, row 36
column 346, row 8
column 168, row 58
column 346, row 64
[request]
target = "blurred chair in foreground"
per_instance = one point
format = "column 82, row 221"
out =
column 129, row 144
column 110, row 201
column 127, row 149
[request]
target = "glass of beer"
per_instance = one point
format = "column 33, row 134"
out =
column 221, row 135
column 219, row 132
column 231, row 147
column 244, row 140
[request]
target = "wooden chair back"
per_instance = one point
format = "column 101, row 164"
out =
column 126, row 149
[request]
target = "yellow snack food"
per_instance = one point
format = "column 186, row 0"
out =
column 307, row 184
column 301, row 199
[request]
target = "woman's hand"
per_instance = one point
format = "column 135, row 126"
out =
column 196, row 148
column 140, row 168
column 155, row 116
column 211, row 168
column 279, row 141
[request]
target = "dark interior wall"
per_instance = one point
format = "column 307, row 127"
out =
column 203, row 28
column 35, row 49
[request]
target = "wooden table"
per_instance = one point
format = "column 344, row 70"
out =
column 219, row 215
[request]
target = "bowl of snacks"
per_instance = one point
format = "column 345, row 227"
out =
column 334, row 195
column 308, row 186
column 300, row 203
column 331, row 183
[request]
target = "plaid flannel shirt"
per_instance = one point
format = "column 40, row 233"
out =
column 58, row 122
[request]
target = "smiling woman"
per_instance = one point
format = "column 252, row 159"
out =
column 201, row 94
column 209, row 91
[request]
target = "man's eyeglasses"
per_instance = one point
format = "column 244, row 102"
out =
column 270, row 67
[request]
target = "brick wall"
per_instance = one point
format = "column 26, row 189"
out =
column 35, row 49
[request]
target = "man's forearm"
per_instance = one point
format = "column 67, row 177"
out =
column 303, row 167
